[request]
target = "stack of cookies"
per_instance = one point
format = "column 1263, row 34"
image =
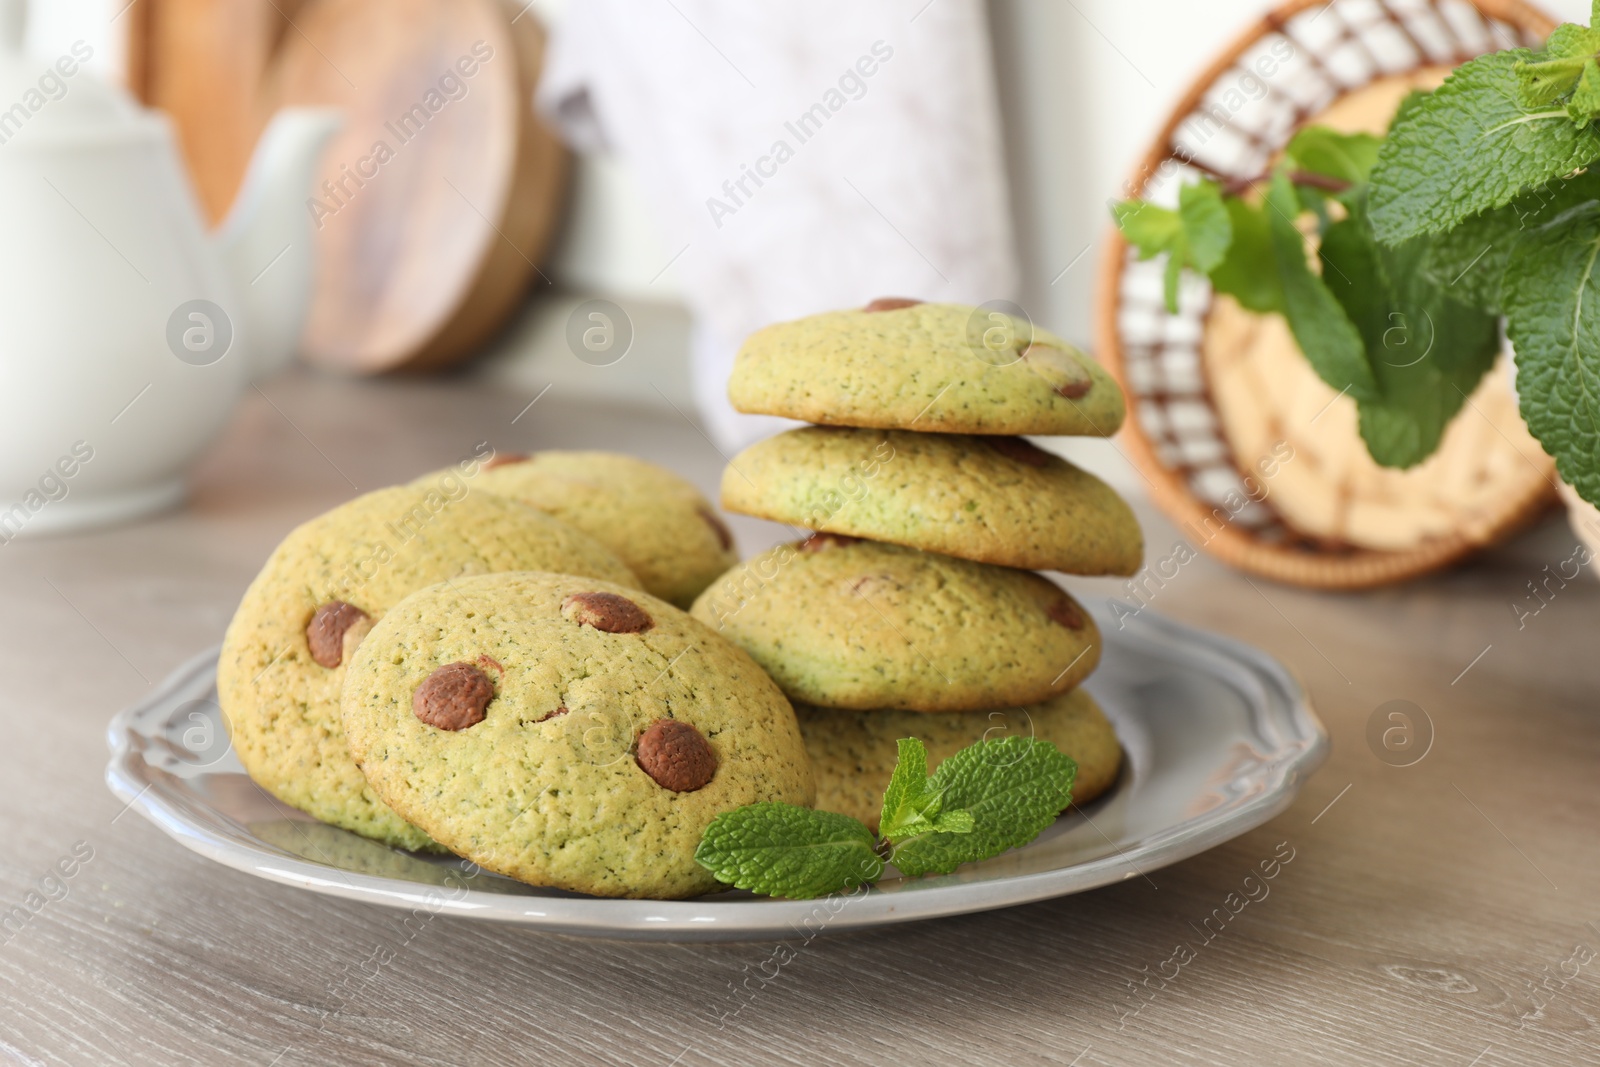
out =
column 911, row 609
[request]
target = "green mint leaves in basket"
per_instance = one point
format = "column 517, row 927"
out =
column 1372, row 320
column 987, row 798
column 1392, row 261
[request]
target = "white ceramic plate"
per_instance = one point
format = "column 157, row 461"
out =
column 1218, row 737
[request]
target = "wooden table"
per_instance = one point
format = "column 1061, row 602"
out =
column 1427, row 914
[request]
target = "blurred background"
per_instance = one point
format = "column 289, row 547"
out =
column 1080, row 88
column 525, row 194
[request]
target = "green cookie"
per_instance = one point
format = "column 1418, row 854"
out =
column 567, row 732
column 656, row 522
column 991, row 499
column 853, row 752
column 944, row 368
column 282, row 705
column 856, row 624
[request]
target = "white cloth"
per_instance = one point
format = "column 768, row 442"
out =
column 802, row 156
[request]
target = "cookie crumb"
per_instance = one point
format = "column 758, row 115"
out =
column 325, row 632
column 676, row 756
column 453, row 697
column 608, row 612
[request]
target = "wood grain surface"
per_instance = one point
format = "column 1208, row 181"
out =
column 1431, row 914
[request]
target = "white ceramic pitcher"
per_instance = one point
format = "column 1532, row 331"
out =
column 127, row 333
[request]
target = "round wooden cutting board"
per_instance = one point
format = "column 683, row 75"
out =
column 438, row 196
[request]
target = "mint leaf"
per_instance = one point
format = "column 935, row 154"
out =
column 1470, row 260
column 1468, row 146
column 1014, row 787
column 781, row 850
column 1347, row 157
column 1249, row 271
column 1150, row 228
column 1195, row 236
column 1327, row 165
column 1320, row 326
column 1565, row 65
column 1543, row 82
column 908, row 802
column 908, row 785
column 1552, row 301
column 1427, row 350
column 960, row 821
column 1570, row 40
column 912, row 805
column 1205, row 224
column 1585, row 102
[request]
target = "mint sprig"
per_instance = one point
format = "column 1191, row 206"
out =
column 1500, row 163
column 987, row 798
column 1195, row 236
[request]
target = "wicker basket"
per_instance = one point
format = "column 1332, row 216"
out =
column 1213, row 388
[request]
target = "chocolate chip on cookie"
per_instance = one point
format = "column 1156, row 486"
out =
column 610, row 612
column 1065, row 613
column 325, row 632
column 676, row 755
column 1019, row 449
column 891, row 303
column 1066, row 375
column 501, row 459
column 869, row 585
column 453, row 697
column 720, row 528
column 819, row 542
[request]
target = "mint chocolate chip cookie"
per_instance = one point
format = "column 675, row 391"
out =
column 567, row 732
column 943, row 368
column 656, row 522
column 856, row 624
column 288, row 649
column 992, row 499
